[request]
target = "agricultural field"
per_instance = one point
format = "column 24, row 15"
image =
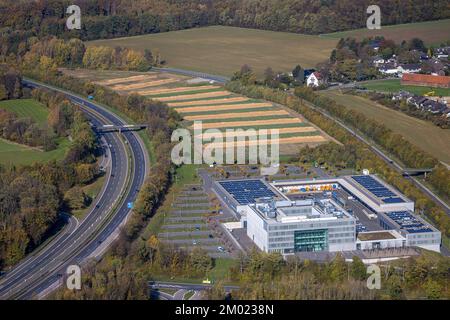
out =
column 422, row 133
column 223, row 50
column 17, row 154
column 394, row 85
column 26, row 108
column 431, row 32
column 218, row 108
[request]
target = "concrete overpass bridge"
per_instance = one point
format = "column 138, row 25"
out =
column 115, row 128
column 416, row 172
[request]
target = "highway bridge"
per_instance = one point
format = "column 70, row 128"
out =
column 42, row 271
column 116, row 128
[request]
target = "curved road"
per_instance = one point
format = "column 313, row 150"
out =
column 42, row 271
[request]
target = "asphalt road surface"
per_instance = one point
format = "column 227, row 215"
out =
column 45, row 268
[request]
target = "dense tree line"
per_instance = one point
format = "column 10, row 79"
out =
column 25, row 131
column 32, row 197
column 10, row 83
column 263, row 276
column 364, row 157
column 115, row 18
column 51, row 52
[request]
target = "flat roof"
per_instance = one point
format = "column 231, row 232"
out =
column 370, row 189
column 375, row 235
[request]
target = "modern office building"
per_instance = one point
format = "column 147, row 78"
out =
column 291, row 216
column 298, row 226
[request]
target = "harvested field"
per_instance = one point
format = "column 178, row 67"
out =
column 214, row 106
column 237, row 115
column 144, row 84
column 207, row 135
column 176, row 90
column 224, row 107
column 290, row 140
column 208, row 102
column 223, row 50
column 255, row 123
column 124, row 80
column 195, row 96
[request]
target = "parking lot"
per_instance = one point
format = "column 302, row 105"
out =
column 193, row 222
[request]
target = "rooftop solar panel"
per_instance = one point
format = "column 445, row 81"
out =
column 377, row 189
column 408, row 222
column 247, row 191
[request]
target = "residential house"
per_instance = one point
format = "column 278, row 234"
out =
column 315, row 79
column 408, row 68
column 402, row 95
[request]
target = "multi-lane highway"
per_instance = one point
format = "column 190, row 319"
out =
column 81, row 240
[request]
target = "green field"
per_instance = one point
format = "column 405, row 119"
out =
column 395, row 86
column 26, row 108
column 431, row 32
column 15, row 154
column 422, row 133
column 223, row 50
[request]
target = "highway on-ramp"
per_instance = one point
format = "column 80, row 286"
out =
column 43, row 270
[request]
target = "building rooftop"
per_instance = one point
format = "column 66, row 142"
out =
column 296, row 211
column 375, row 235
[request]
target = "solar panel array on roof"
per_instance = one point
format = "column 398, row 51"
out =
column 377, row 189
column 408, row 222
column 247, row 191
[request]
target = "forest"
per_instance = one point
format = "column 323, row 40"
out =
column 33, row 197
column 116, row 18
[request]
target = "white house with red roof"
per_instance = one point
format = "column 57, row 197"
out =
column 315, row 79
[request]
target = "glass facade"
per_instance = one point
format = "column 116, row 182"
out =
column 311, row 240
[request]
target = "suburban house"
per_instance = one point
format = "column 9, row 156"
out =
column 388, row 69
column 402, row 95
column 408, row 68
column 315, row 79
column 442, row 53
column 425, row 80
column 428, row 105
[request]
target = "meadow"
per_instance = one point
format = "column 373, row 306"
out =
column 431, row 32
column 223, row 50
column 26, row 108
column 422, row 133
column 394, row 85
column 16, row 154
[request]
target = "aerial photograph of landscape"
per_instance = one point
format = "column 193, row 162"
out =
column 216, row 152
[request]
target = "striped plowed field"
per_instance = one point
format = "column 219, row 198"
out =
column 124, row 80
column 195, row 96
column 224, row 107
column 254, row 142
column 238, row 133
column 237, row 115
column 255, row 123
column 142, row 85
column 176, row 90
column 206, row 102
